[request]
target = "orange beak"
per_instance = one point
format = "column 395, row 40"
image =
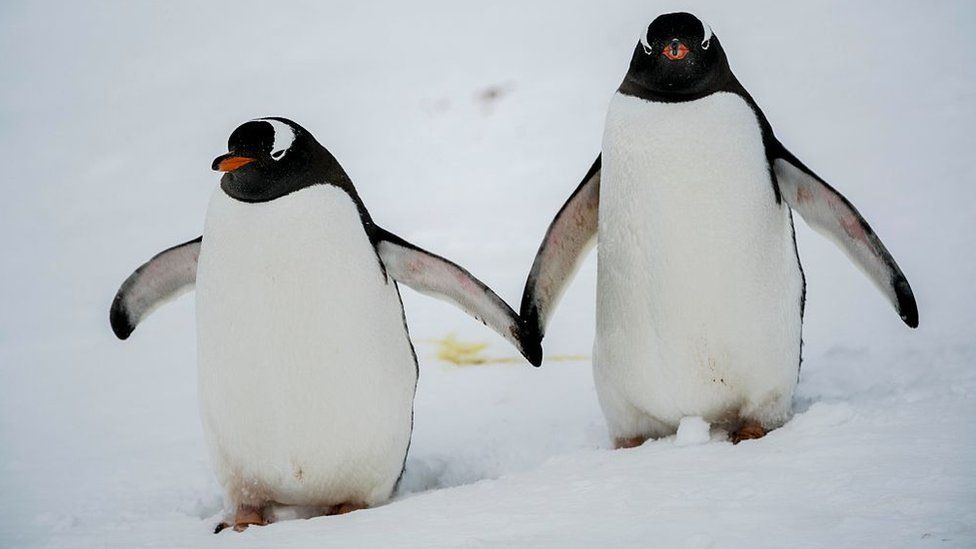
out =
column 228, row 163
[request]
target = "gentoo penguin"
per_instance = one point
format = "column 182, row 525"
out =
column 700, row 292
column 306, row 369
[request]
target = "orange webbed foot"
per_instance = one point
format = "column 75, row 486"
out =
column 749, row 430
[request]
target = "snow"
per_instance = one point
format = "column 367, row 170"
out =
column 692, row 430
column 111, row 115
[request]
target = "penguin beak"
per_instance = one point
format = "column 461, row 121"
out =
column 675, row 50
column 230, row 162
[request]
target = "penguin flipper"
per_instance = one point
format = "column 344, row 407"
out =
column 168, row 275
column 570, row 237
column 829, row 213
column 435, row 276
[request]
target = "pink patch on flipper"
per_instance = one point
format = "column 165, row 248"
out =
column 803, row 195
column 415, row 266
column 466, row 282
column 853, row 227
column 154, row 270
column 848, row 220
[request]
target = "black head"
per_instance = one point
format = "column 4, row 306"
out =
column 272, row 157
column 677, row 59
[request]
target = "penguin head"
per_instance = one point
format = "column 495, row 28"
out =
column 678, row 56
column 267, row 158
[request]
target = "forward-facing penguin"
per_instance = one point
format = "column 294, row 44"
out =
column 700, row 292
column 306, row 370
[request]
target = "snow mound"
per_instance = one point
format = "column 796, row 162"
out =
column 692, row 431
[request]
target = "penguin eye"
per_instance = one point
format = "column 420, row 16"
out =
column 277, row 154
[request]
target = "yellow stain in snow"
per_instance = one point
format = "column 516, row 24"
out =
column 472, row 353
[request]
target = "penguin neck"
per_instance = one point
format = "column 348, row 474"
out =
column 322, row 169
column 724, row 81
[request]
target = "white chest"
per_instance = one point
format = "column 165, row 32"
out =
column 306, row 372
column 701, row 164
column 699, row 285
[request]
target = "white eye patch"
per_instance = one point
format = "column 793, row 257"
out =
column 645, row 43
column 284, row 136
column 707, row 33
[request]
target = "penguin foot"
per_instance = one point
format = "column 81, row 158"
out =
column 344, row 508
column 632, row 442
column 247, row 515
column 749, row 430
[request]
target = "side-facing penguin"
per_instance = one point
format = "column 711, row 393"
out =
column 306, row 369
column 700, row 292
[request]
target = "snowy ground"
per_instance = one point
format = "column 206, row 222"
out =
column 465, row 125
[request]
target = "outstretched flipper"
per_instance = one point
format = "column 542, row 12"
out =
column 832, row 215
column 435, row 276
column 168, row 275
column 569, row 239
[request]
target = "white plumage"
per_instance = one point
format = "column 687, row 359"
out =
column 306, row 372
column 699, row 286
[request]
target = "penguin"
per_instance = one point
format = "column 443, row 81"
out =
column 700, row 291
column 306, row 371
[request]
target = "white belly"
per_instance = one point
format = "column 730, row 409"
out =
column 306, row 372
column 699, row 287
